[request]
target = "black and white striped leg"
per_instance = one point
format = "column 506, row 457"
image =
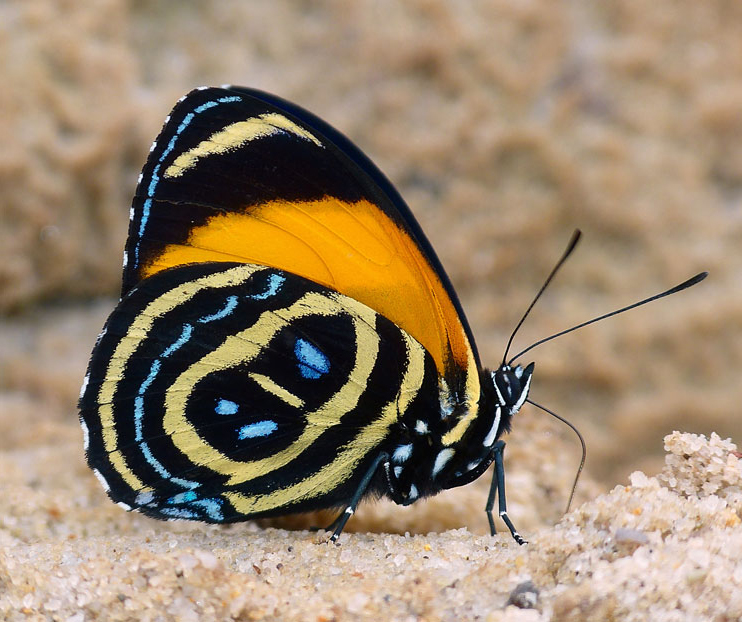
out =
column 339, row 522
column 498, row 488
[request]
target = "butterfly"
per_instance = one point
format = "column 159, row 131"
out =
column 286, row 339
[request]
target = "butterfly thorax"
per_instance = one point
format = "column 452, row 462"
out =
column 438, row 465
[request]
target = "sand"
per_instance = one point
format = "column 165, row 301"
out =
column 664, row 548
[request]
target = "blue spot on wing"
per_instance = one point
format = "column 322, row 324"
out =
column 183, row 497
column 179, row 513
column 274, row 284
column 153, row 462
column 222, row 313
column 185, row 483
column 213, row 508
column 182, row 340
column 139, row 399
column 190, row 506
column 226, row 407
column 255, row 430
column 312, row 361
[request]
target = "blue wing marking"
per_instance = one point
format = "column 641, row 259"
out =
column 155, row 179
column 226, row 407
column 181, row 341
column 222, row 313
column 255, row 430
column 275, row 282
column 312, row 361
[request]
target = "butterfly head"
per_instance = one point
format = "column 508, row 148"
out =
column 504, row 391
column 511, row 386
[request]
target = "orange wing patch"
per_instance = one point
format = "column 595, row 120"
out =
column 353, row 248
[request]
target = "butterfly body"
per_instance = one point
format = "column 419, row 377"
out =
column 287, row 339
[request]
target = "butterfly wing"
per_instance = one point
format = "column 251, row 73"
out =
column 219, row 391
column 241, row 175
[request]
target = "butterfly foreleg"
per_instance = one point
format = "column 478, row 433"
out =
column 339, row 523
column 498, row 488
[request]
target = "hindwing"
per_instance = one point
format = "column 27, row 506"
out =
column 219, row 391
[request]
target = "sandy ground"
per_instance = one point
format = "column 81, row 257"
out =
column 506, row 125
column 662, row 548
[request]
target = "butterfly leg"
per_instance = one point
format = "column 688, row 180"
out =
column 339, row 522
column 498, row 488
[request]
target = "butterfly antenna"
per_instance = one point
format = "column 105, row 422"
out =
column 673, row 290
column 570, row 247
column 582, row 442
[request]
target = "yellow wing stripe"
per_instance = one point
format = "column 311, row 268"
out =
column 271, row 386
column 242, row 348
column 138, row 330
column 353, row 248
column 344, row 465
column 471, row 399
column 234, row 136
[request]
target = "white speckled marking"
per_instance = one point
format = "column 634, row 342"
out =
column 490, row 438
column 402, row 453
column 421, row 427
column 84, row 385
column 85, row 436
column 102, row 480
column 444, row 455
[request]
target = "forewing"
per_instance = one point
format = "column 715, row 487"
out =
column 240, row 175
